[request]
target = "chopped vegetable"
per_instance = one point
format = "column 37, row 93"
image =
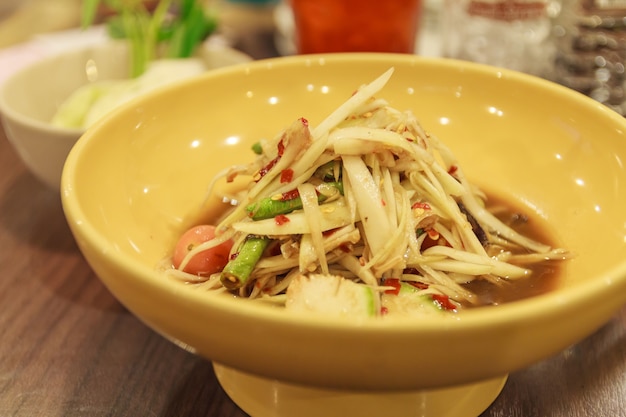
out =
column 181, row 24
column 237, row 272
column 332, row 295
column 284, row 203
column 335, row 214
column 92, row 101
column 273, row 206
column 413, row 299
column 257, row 148
column 206, row 262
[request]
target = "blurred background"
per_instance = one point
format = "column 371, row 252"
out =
column 577, row 43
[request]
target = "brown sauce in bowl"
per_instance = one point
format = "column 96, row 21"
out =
column 544, row 276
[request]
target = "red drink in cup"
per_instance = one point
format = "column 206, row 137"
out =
column 356, row 25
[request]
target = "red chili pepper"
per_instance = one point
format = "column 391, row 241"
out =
column 453, row 169
column 443, row 301
column 433, row 238
column 421, row 205
column 286, row 175
column 281, row 148
column 290, row 195
column 392, row 282
column 433, row 234
column 263, row 171
column 418, row 285
column 281, row 219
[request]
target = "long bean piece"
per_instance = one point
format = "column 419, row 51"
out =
column 271, row 207
column 238, row 270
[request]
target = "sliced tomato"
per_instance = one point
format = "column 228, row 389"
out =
column 206, row 262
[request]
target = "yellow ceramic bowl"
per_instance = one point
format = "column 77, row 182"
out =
column 134, row 182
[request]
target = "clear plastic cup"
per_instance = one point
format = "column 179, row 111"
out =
column 511, row 34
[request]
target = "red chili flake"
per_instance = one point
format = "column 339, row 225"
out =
column 384, row 311
column 263, row 171
column 433, row 234
column 281, row 219
column 383, row 202
column 453, row 169
column 419, row 204
column 304, row 121
column 281, row 148
column 418, row 285
column 290, row 195
column 286, row 175
column 433, row 238
column 412, row 271
column 233, row 256
column 392, row 282
column 443, row 301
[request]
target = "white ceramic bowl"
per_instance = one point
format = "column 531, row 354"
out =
column 31, row 96
column 548, row 148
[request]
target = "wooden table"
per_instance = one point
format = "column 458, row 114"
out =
column 69, row 349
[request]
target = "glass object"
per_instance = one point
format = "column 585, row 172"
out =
column 515, row 34
column 356, row 26
column 592, row 50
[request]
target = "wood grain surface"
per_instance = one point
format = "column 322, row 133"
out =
column 69, row 349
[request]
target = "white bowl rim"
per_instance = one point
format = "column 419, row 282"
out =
column 7, row 111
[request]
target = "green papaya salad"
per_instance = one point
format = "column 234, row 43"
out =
column 365, row 214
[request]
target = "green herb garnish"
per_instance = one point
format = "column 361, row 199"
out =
column 173, row 29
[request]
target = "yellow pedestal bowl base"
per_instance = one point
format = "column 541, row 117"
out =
column 263, row 397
